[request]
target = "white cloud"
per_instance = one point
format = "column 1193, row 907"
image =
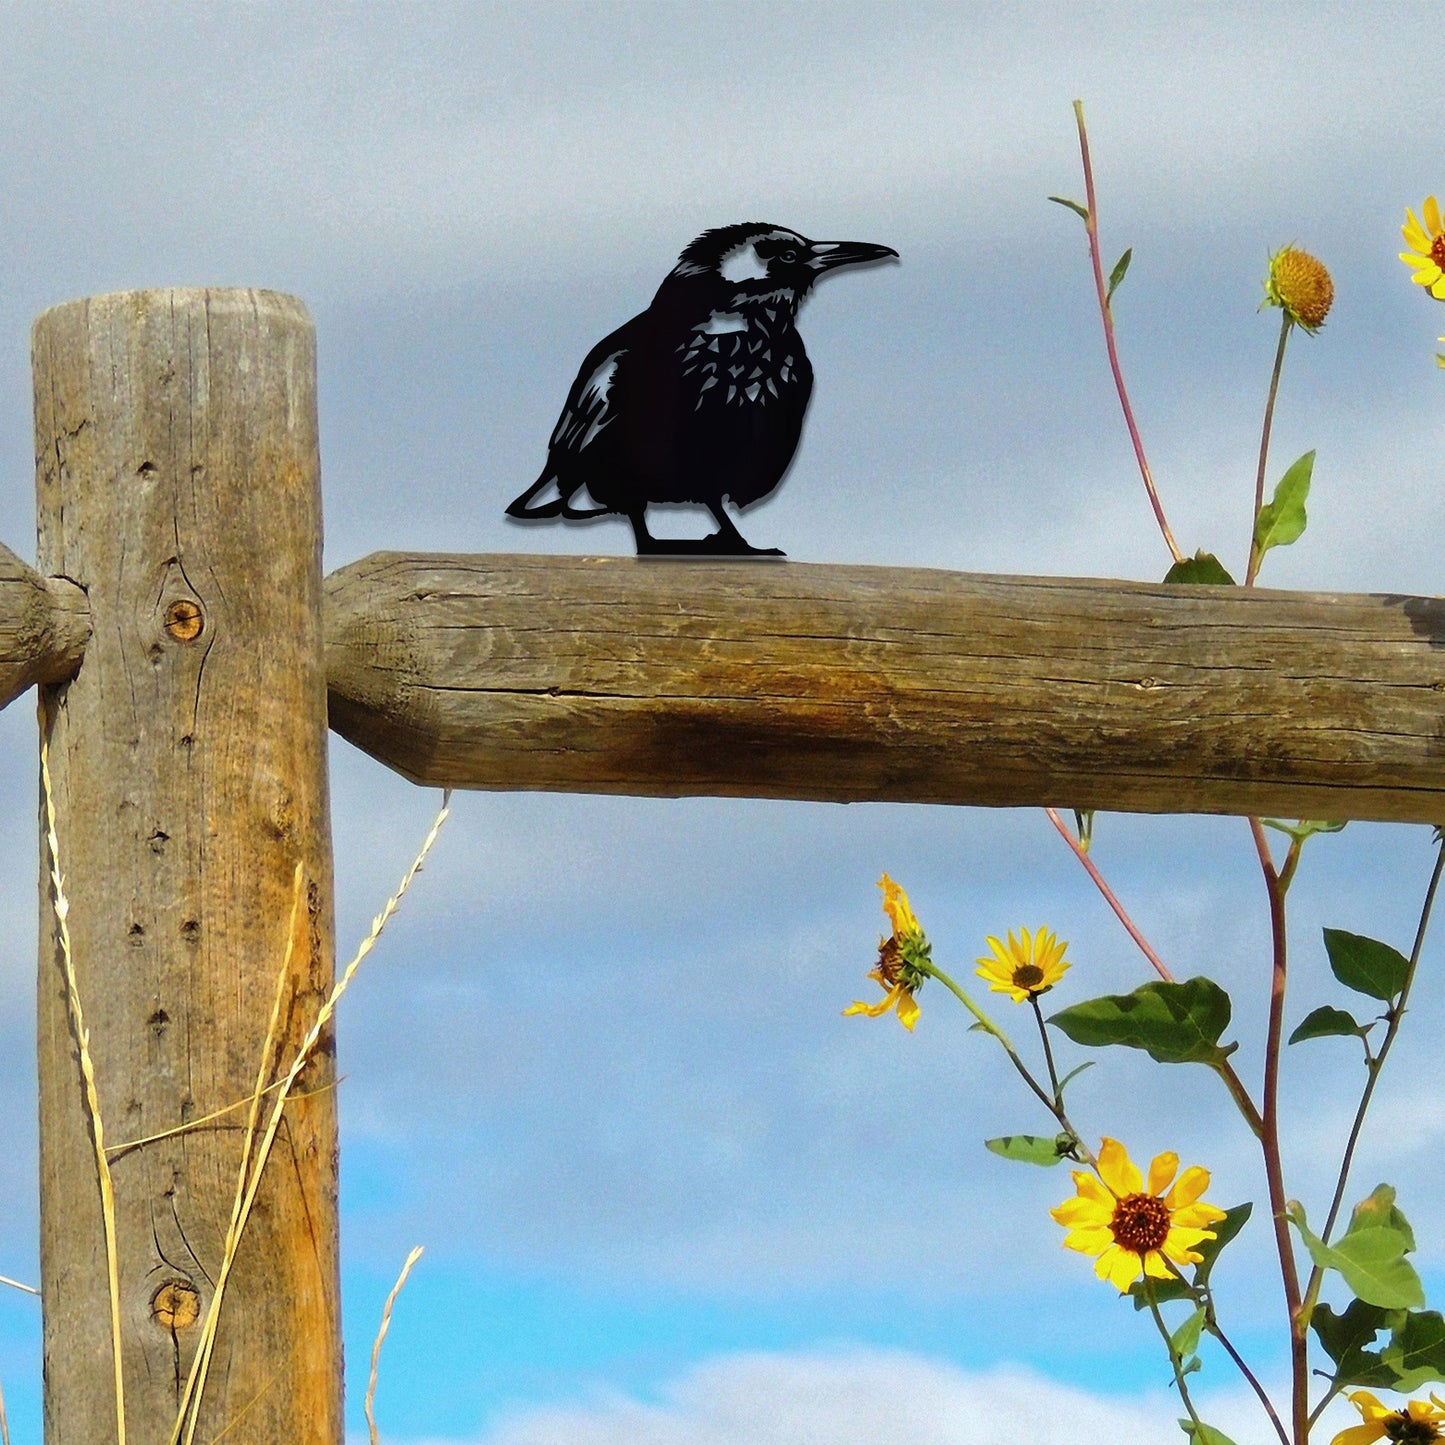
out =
column 861, row 1398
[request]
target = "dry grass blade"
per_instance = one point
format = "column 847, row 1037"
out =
column 196, row 1383
column 16, row 1284
column 386, row 1309
column 116, row 1151
column 61, row 904
column 190, row 1403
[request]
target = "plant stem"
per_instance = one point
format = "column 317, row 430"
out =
column 1269, row 1139
column 1392, row 1027
column 1212, row 1326
column 1091, row 225
column 1232, row 1081
column 989, row 1027
column 1048, row 1052
column 1055, row 1105
column 1255, row 556
column 1092, row 870
column 1175, row 1363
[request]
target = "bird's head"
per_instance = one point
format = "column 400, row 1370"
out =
column 754, row 264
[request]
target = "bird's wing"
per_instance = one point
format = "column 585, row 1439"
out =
column 591, row 404
column 589, row 411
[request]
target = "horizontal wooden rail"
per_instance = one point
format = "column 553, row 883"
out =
column 44, row 626
column 645, row 676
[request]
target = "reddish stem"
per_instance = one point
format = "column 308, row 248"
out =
column 1225, row 1070
column 1091, row 225
column 1093, row 872
column 1269, row 1140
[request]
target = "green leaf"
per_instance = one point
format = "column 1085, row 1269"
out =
column 1174, row 1023
column 1031, row 1148
column 1185, row 1340
column 1371, row 1261
column 1224, row 1231
column 1416, row 1352
column 1202, row 1434
column 1202, row 568
column 1080, row 211
column 1365, row 964
column 1305, row 828
column 1121, row 267
column 1347, row 1338
column 1282, row 520
column 1163, row 1291
column 1326, row 1022
column 1378, row 1208
column 1074, row 1074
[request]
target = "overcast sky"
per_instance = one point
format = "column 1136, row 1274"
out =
column 670, row 1195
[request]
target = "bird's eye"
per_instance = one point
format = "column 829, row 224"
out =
column 788, row 256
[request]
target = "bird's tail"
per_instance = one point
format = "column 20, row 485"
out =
column 558, row 505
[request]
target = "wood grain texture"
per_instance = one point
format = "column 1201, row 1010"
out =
column 624, row 675
column 178, row 484
column 44, row 626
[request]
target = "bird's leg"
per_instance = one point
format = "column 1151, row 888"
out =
column 646, row 542
column 727, row 541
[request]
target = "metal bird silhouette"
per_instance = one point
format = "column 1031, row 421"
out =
column 701, row 397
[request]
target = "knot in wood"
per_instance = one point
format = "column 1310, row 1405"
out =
column 176, row 1305
column 184, row 619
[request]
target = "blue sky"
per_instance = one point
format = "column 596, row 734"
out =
column 598, row 1064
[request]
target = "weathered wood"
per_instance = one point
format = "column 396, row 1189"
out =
column 178, row 484
column 44, row 626
column 620, row 675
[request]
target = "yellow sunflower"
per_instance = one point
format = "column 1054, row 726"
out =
column 1132, row 1229
column 1025, row 966
column 900, row 960
column 1426, row 256
column 1416, row 1423
column 1301, row 284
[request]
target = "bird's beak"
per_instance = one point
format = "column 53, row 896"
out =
column 827, row 255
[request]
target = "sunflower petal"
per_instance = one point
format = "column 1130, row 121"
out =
column 1197, row 1216
column 1155, row 1267
column 1117, row 1170
column 1162, row 1170
column 1360, row 1435
column 1431, row 212
column 1187, row 1188
column 1090, row 1187
column 897, row 907
column 1123, row 1269
column 1079, row 1213
column 908, row 1009
column 1089, row 1241
column 873, row 1010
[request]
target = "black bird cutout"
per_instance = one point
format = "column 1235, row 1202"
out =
column 701, row 397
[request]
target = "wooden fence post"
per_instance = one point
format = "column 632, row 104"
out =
column 178, row 485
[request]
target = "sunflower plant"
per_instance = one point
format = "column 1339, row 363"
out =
column 1353, row 1319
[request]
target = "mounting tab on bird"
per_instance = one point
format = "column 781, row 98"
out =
column 699, row 399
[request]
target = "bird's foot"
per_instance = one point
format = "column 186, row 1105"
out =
column 718, row 544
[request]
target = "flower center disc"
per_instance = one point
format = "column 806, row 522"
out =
column 1437, row 255
column 1028, row 975
column 1409, row 1432
column 1140, row 1223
